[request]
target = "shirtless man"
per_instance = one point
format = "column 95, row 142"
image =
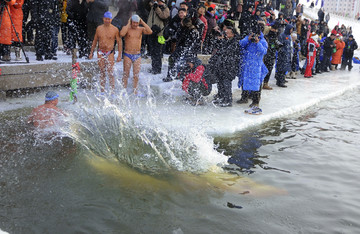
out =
column 105, row 36
column 132, row 56
column 46, row 115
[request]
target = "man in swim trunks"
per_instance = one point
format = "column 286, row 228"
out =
column 132, row 55
column 48, row 114
column 105, row 36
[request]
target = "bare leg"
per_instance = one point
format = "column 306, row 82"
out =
column 136, row 71
column 110, row 70
column 101, row 63
column 127, row 65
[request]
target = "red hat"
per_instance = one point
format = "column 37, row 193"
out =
column 267, row 14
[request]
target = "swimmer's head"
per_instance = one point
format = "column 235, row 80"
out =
column 51, row 96
column 135, row 18
column 108, row 14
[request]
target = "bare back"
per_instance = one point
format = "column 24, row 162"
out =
column 133, row 40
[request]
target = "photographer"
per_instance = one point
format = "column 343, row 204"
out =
column 159, row 13
column 269, row 58
column 5, row 29
column 253, row 69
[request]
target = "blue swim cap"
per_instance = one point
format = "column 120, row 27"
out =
column 108, row 14
column 51, row 95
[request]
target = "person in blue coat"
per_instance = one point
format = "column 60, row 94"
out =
column 283, row 62
column 253, row 69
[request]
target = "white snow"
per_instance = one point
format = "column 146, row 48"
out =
column 174, row 113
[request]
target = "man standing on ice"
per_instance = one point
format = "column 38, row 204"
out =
column 350, row 47
column 105, row 37
column 132, row 54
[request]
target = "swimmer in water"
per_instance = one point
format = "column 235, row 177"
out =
column 46, row 115
column 105, row 36
column 132, row 56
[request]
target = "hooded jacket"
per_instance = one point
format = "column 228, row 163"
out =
column 283, row 63
column 253, row 69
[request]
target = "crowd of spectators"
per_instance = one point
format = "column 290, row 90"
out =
column 269, row 34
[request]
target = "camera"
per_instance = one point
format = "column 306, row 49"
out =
column 156, row 4
column 278, row 44
column 253, row 38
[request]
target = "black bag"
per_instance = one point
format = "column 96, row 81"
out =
column 155, row 29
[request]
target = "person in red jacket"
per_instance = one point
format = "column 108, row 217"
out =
column 336, row 57
column 5, row 30
column 311, row 54
column 17, row 18
column 194, row 82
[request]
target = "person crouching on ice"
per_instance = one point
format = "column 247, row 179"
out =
column 194, row 82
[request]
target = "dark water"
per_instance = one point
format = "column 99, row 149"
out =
column 293, row 175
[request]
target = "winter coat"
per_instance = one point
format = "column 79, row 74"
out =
column 321, row 15
column 226, row 59
column 350, row 47
column 283, row 63
column 17, row 18
column 126, row 8
column 272, row 39
column 211, row 21
column 327, row 18
column 46, row 13
column 336, row 57
column 328, row 50
column 76, row 10
column 187, row 42
column 158, row 17
column 253, row 69
column 5, row 27
column 97, row 10
column 203, row 19
column 246, row 23
column 195, row 75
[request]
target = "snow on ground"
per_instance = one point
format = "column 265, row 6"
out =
column 334, row 19
column 173, row 112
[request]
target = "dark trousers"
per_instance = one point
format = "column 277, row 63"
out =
column 224, row 90
column 280, row 77
column 254, row 95
column 55, row 39
column 4, row 49
column 325, row 64
column 77, row 33
column 65, row 34
column 43, row 40
column 172, row 66
column 269, row 65
column 156, row 53
column 346, row 61
column 28, row 34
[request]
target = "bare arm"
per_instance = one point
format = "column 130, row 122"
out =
column 125, row 29
column 119, row 42
column 95, row 41
column 147, row 29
